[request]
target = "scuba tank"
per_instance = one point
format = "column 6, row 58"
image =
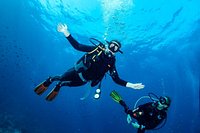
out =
column 86, row 60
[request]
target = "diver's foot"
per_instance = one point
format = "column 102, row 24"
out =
column 42, row 87
column 52, row 95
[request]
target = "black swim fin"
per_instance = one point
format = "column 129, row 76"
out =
column 42, row 87
column 52, row 95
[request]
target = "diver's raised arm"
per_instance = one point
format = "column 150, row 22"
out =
column 63, row 29
column 81, row 47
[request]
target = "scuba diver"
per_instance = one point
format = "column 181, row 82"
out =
column 91, row 67
column 148, row 115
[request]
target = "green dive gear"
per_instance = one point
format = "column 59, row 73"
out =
column 115, row 96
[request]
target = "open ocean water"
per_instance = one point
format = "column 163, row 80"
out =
column 161, row 45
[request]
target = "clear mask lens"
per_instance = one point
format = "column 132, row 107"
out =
column 113, row 47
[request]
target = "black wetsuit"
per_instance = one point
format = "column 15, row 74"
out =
column 94, row 73
column 147, row 115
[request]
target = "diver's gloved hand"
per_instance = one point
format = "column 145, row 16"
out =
column 135, row 125
column 136, row 86
column 63, row 28
column 129, row 119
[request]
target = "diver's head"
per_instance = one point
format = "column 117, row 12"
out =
column 114, row 46
column 164, row 103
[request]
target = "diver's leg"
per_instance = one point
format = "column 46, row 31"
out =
column 72, row 83
column 126, row 108
column 70, row 78
column 55, row 91
column 55, row 78
column 70, row 75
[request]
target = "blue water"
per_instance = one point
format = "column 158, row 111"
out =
column 161, row 45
